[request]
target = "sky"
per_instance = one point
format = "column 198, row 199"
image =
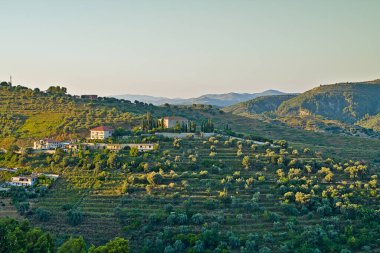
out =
column 188, row 48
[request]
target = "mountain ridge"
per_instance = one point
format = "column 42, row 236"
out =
column 222, row 100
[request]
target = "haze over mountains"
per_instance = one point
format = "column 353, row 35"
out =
column 221, row 100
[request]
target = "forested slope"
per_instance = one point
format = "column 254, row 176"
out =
column 347, row 102
column 259, row 105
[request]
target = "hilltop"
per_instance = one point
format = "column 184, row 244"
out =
column 30, row 114
column 259, row 105
column 346, row 102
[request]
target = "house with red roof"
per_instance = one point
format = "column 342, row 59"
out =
column 101, row 133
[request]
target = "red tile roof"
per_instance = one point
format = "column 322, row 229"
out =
column 102, row 128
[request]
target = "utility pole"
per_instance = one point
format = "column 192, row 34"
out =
column 10, row 80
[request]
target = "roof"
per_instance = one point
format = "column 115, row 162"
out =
column 50, row 140
column 102, row 128
column 26, row 176
column 175, row 118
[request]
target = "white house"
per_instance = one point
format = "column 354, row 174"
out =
column 24, row 180
column 172, row 121
column 101, row 133
column 48, row 143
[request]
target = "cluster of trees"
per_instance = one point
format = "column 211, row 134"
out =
column 148, row 123
column 58, row 90
column 5, row 84
column 207, row 126
column 18, row 236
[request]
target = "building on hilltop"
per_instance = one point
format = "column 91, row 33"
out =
column 172, row 121
column 101, row 133
column 24, row 180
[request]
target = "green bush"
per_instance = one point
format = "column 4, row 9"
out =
column 75, row 217
column 43, row 214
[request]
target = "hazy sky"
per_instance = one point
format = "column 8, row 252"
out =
column 188, row 48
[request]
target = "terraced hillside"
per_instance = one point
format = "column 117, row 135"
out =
column 329, row 144
column 218, row 193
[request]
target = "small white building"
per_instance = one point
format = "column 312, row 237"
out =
column 142, row 146
column 101, row 133
column 24, row 180
column 48, row 144
column 172, row 121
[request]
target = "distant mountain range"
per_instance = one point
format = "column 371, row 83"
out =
column 221, row 100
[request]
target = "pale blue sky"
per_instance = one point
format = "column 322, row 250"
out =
column 188, row 48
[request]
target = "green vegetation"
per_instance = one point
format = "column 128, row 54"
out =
column 258, row 105
column 27, row 115
column 318, row 192
column 22, row 237
column 347, row 102
column 371, row 122
column 346, row 109
column 245, row 198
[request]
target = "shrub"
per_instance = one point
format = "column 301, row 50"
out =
column 171, row 219
column 197, row 218
column 67, row 207
column 234, row 241
column 324, row 210
column 169, row 249
column 290, row 209
column 73, row 245
column 265, row 250
column 43, row 214
column 119, row 245
column 168, row 208
column 181, row 219
column 22, row 207
column 211, row 204
column 154, row 178
column 179, row 246
column 75, row 217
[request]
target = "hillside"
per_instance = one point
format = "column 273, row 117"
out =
column 213, row 195
column 220, row 100
column 27, row 115
column 371, row 122
column 258, row 105
column 224, row 193
column 346, row 102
